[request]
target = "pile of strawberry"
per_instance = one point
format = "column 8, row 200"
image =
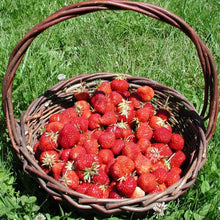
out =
column 112, row 143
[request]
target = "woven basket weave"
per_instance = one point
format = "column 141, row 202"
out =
column 23, row 132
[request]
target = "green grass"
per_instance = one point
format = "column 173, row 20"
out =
column 124, row 42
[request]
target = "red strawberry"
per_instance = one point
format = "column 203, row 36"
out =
column 122, row 166
column 81, row 123
column 70, row 179
column 164, row 150
column 126, row 185
column 150, row 107
column 162, row 135
column 55, row 117
column 115, row 97
column 177, row 159
column 64, row 154
column 118, row 146
column 142, row 164
column 107, row 139
column 147, row 182
column 108, row 118
column 48, row 141
column 36, row 150
column 57, row 169
column 161, row 175
column 96, row 134
column 138, row 192
column 176, row 142
column 156, row 122
column 114, row 194
column 125, row 111
column 82, row 187
column 176, row 170
column 81, row 107
column 69, row 136
column 135, row 99
column 83, row 137
column 119, row 84
column 101, row 178
column 163, row 113
column 143, row 144
column 84, row 161
column 144, row 131
column 94, row 121
column 81, row 94
column 91, row 146
column 146, row 93
column 153, row 154
column 49, row 158
column 75, row 151
column 69, row 113
column 105, row 87
column 142, row 114
column 54, row 127
column 172, row 178
column 131, row 150
column 160, row 164
column 106, row 155
column 94, row 191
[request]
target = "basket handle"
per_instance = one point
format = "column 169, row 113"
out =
column 210, row 103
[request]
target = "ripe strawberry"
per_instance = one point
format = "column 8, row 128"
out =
column 150, row 107
column 161, row 175
column 177, row 159
column 69, row 165
column 81, row 94
column 57, row 170
column 135, row 99
column 70, row 113
column 122, row 166
column 118, row 146
column 105, row 87
column 101, row 178
column 142, row 114
column 49, row 158
column 81, row 123
column 94, row 121
column 107, row 139
column 126, row 185
column 70, row 179
column 64, row 154
column 115, row 97
column 108, row 118
column 54, row 127
column 142, row 164
column 156, row 122
column 55, row 117
column 143, row 144
column 153, row 154
column 176, row 170
column 138, row 192
column 95, row 134
column 147, row 182
column 48, row 141
column 36, row 150
column 106, row 155
column 172, row 178
column 91, row 146
column 162, row 135
column 163, row 113
column 83, row 137
column 75, row 151
column 81, row 107
column 144, row 131
column 160, row 164
column 146, row 93
column 119, row 84
column 82, row 187
column 176, row 142
column 94, row 191
column 164, row 150
column 131, row 150
column 114, row 194
column 125, row 111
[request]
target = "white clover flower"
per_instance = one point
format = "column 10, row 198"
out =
column 40, row 217
column 159, row 208
column 61, row 76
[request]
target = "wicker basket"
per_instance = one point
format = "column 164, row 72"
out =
column 24, row 131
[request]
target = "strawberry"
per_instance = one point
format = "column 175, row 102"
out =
column 81, row 107
column 82, row 138
column 70, row 113
column 55, row 117
column 156, row 122
column 162, row 135
column 91, row 146
column 69, row 165
column 101, row 178
column 70, row 179
column 146, row 93
column 48, row 141
column 150, row 108
column 138, row 192
column 82, row 187
column 135, row 99
column 126, row 185
column 125, row 111
column 105, row 87
column 54, row 127
column 115, row 97
column 177, row 159
column 164, row 150
column 160, row 164
column 161, row 175
column 94, row 121
column 119, row 84
column 131, row 150
column 36, row 150
column 57, row 169
column 142, row 164
column 108, row 118
column 143, row 144
column 144, row 131
column 176, row 142
column 107, row 139
column 95, row 134
column 106, row 155
column 172, row 178
column 142, row 114
column 114, row 194
column 75, row 151
column 81, row 94
column 81, row 123
column 176, row 170
column 153, row 154
column 49, row 158
column 94, row 191
column 122, row 166
column 118, row 146
column 147, row 182
column 163, row 113
column 64, row 154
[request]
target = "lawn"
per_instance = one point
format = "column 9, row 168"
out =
column 110, row 41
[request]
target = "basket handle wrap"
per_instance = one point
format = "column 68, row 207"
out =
column 210, row 103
